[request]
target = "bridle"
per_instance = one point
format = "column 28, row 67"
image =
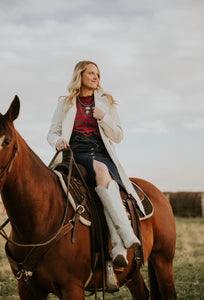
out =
column 7, row 168
column 53, row 236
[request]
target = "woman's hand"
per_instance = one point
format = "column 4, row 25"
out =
column 61, row 144
column 98, row 114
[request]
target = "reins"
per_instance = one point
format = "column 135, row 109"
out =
column 53, row 236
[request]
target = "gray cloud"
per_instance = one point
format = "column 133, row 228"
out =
column 195, row 124
column 148, row 127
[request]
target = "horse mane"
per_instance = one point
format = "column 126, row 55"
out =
column 24, row 145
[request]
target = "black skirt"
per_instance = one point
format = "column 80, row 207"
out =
column 85, row 149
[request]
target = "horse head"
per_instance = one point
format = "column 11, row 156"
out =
column 8, row 138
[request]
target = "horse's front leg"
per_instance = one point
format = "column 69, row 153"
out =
column 28, row 292
column 74, row 290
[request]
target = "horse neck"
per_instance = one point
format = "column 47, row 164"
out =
column 29, row 193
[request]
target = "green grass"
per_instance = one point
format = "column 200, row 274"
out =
column 188, row 266
column 189, row 259
column 7, row 284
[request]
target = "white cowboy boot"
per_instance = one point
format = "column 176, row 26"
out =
column 112, row 203
column 119, row 252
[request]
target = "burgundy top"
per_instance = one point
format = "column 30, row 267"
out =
column 84, row 121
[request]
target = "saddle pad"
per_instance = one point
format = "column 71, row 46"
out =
column 147, row 204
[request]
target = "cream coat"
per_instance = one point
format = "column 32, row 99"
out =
column 109, row 127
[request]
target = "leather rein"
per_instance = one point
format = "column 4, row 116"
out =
column 53, row 236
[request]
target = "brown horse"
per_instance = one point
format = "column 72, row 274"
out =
column 35, row 204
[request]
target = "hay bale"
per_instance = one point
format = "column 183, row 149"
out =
column 186, row 204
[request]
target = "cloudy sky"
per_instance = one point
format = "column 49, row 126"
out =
column 151, row 57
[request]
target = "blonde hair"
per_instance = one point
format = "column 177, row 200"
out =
column 75, row 85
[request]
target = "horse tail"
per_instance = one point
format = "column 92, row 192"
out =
column 154, row 287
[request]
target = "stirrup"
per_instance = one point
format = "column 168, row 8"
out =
column 111, row 279
column 120, row 261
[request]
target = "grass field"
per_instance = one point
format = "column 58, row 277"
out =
column 188, row 265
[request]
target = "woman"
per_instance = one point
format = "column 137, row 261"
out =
column 87, row 120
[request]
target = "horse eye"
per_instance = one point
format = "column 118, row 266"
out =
column 6, row 142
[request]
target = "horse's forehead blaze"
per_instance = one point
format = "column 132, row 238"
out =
column 1, row 141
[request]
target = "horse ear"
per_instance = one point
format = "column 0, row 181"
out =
column 13, row 111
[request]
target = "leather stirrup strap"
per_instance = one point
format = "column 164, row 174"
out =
column 96, row 227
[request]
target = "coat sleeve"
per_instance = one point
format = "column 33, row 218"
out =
column 55, row 130
column 111, row 125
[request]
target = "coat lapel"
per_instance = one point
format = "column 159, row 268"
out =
column 101, row 101
column 68, row 122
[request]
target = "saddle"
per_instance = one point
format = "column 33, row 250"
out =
column 78, row 192
column 78, row 196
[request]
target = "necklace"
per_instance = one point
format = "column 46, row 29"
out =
column 86, row 107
